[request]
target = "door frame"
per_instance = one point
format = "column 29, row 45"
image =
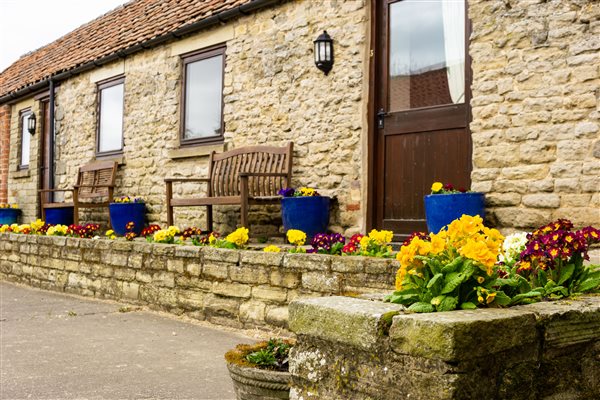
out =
column 374, row 81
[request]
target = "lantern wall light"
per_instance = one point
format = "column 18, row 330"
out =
column 324, row 52
column 31, row 124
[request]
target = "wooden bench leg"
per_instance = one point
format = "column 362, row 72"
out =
column 169, row 190
column 244, row 194
column 209, row 218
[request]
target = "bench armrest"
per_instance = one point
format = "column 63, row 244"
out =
column 187, row 180
column 247, row 174
column 54, row 190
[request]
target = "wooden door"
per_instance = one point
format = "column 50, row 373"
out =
column 420, row 133
column 45, row 157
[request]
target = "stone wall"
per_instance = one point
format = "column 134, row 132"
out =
column 5, row 112
column 536, row 74
column 229, row 287
column 273, row 93
column 23, row 184
column 360, row 349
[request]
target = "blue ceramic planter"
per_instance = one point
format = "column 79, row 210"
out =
column 62, row 216
column 308, row 214
column 441, row 209
column 123, row 213
column 9, row 216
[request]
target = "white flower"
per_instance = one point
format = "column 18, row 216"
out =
column 512, row 247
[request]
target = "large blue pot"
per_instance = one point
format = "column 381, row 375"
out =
column 9, row 216
column 309, row 214
column 442, row 209
column 59, row 216
column 123, row 213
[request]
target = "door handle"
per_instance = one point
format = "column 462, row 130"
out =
column 381, row 114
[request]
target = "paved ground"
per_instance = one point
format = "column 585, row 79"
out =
column 54, row 346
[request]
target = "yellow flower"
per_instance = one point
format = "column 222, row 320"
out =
column 480, row 279
column 211, row 238
column 381, row 237
column 364, row 243
column 272, row 249
column 109, row 232
column 37, row 225
column 57, row 230
column 400, row 274
column 490, row 298
column 480, row 299
column 438, row 243
column 296, row 237
column 4, row 228
column 173, row 230
column 307, row 191
column 436, row 187
column 239, row 237
column 15, row 206
column 478, row 251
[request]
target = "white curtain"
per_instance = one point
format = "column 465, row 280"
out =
column 453, row 13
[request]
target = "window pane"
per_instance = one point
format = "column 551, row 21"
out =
column 203, row 97
column 427, row 53
column 25, row 140
column 111, row 119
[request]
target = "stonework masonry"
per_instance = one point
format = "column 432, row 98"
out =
column 272, row 94
column 535, row 126
column 243, row 289
column 536, row 110
column 5, row 119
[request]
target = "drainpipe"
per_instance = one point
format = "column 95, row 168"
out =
column 51, row 144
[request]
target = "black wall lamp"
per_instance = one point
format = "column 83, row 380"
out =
column 31, row 124
column 324, row 52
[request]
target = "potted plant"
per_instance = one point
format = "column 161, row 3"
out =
column 304, row 209
column 9, row 214
column 260, row 371
column 126, row 210
column 445, row 204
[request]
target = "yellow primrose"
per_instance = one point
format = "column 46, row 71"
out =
column 381, row 237
column 296, row 237
column 436, row 187
column 272, row 249
column 37, row 225
column 239, row 237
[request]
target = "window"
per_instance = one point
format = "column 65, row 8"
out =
column 202, row 114
column 25, row 139
column 110, row 117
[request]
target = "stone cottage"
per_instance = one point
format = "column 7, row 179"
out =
column 501, row 96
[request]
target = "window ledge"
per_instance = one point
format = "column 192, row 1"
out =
column 116, row 157
column 21, row 173
column 196, row 151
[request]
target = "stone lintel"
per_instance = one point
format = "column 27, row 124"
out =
column 351, row 321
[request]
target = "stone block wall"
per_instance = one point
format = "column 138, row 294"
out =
column 536, row 110
column 5, row 112
column 273, row 94
column 242, row 289
column 359, row 349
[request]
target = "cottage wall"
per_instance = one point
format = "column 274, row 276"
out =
column 535, row 111
column 272, row 94
column 536, row 74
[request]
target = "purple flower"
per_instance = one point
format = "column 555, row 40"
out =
column 287, row 192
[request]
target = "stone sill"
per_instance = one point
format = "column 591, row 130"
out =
column 118, row 158
column 195, row 151
column 21, row 173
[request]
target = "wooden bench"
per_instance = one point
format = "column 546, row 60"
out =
column 94, row 181
column 245, row 176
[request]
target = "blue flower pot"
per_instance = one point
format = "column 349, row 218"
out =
column 307, row 214
column 62, row 216
column 9, row 215
column 442, row 209
column 123, row 213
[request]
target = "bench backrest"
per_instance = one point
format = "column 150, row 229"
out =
column 96, row 179
column 225, row 169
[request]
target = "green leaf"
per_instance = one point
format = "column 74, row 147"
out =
column 453, row 280
column 542, row 278
column 402, row 298
column 512, row 282
column 467, row 305
column 502, row 299
column 529, row 295
column 588, row 285
column 451, row 267
column 449, row 303
column 565, row 273
column 433, row 280
column 421, row 307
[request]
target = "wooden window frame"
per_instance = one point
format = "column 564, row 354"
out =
column 22, row 113
column 100, row 86
column 188, row 58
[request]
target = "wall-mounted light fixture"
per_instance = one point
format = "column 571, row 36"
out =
column 31, row 124
column 324, row 52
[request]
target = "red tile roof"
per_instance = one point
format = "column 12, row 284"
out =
column 128, row 25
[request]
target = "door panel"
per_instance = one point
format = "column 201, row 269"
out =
column 422, row 94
